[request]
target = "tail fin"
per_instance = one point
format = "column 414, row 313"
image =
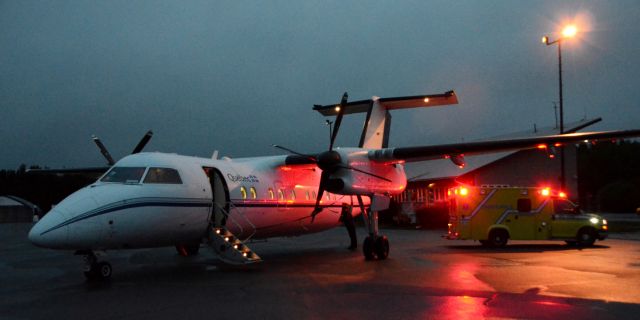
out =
column 375, row 133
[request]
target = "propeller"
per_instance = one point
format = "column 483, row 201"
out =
column 330, row 161
column 143, row 142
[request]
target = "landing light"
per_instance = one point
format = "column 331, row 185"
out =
column 337, row 108
column 426, row 100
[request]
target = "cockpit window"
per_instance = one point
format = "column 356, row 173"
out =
column 124, row 175
column 163, row 175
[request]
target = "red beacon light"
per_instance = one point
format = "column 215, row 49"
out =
column 464, row 191
column 562, row 195
column 545, row 192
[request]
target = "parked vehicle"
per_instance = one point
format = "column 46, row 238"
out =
column 493, row 215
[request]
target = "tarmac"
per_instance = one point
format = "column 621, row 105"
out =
column 316, row 277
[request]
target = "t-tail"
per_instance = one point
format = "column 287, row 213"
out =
column 375, row 132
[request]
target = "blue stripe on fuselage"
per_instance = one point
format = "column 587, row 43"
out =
column 134, row 203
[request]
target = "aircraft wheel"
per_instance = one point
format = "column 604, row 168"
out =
column 382, row 247
column 193, row 250
column 586, row 237
column 368, row 249
column 99, row 271
column 498, row 238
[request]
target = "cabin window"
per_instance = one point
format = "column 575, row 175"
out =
column 315, row 196
column 524, row 205
column 124, row 175
column 253, row 193
column 162, row 175
column 271, row 195
column 293, row 194
column 306, row 195
column 280, row 194
column 243, row 192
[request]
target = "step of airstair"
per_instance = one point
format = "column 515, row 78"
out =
column 229, row 248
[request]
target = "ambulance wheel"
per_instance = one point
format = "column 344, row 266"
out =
column 586, row 237
column 382, row 247
column 498, row 238
column 368, row 249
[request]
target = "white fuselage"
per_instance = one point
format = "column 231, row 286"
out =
column 253, row 197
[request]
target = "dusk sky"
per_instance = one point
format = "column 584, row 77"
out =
column 239, row 76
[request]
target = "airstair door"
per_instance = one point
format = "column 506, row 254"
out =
column 220, row 197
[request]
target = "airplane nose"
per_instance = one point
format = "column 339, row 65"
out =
column 50, row 231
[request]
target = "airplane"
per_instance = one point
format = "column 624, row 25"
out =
column 153, row 199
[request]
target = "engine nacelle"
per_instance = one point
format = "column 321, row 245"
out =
column 458, row 160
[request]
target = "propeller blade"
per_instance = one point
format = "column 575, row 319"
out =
column 343, row 102
column 313, row 158
column 143, row 142
column 103, row 150
column 365, row 172
column 324, row 178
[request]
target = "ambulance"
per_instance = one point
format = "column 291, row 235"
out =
column 495, row 214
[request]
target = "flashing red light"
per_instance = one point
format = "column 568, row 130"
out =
column 551, row 156
column 464, row 191
column 542, row 146
column 545, row 192
column 285, row 168
column 562, row 195
column 557, row 145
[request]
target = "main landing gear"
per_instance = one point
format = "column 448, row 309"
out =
column 375, row 245
column 95, row 270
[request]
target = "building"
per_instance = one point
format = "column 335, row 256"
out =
column 14, row 209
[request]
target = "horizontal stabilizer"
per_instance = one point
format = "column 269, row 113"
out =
column 363, row 106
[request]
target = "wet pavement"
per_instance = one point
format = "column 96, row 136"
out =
column 315, row 277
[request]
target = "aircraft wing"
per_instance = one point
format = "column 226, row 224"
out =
column 411, row 154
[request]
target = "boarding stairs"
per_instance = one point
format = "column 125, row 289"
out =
column 229, row 248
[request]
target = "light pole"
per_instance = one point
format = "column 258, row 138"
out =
column 568, row 32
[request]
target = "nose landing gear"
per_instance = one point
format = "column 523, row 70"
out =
column 95, row 270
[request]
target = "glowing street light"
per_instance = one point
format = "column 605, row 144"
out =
column 568, row 32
